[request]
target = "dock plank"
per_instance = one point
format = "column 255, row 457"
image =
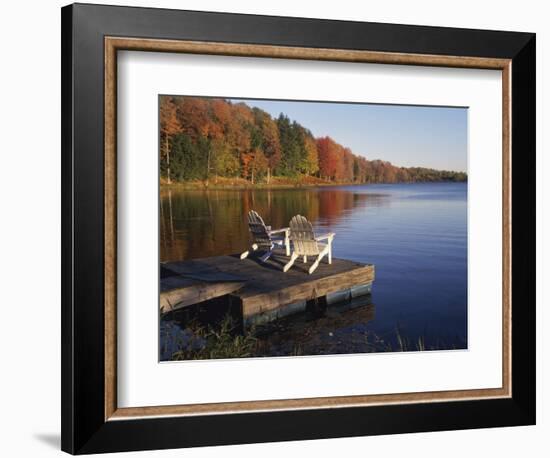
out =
column 258, row 287
column 193, row 293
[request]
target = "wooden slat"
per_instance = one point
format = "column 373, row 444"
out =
column 266, row 301
column 259, row 231
column 194, row 293
column 264, row 286
column 303, row 237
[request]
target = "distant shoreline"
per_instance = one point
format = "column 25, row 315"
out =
column 240, row 184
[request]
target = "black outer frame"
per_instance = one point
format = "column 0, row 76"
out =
column 84, row 429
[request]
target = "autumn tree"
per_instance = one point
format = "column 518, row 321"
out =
column 193, row 116
column 225, row 162
column 269, row 141
column 169, row 126
column 311, row 163
column 347, row 165
column 254, row 165
column 329, row 160
column 202, row 136
column 360, row 169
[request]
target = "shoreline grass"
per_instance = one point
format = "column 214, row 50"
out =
column 221, row 343
column 228, row 341
column 223, row 183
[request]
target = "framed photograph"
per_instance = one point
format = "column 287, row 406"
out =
column 283, row 228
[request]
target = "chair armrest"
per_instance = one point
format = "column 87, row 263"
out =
column 277, row 231
column 328, row 236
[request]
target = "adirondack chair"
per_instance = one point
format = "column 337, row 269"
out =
column 304, row 243
column 264, row 239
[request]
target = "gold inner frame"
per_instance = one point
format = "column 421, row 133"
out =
column 114, row 44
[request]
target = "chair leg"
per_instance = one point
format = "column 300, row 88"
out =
column 288, row 265
column 316, row 263
column 305, row 259
column 330, row 252
column 287, row 244
column 318, row 260
column 266, row 256
column 254, row 247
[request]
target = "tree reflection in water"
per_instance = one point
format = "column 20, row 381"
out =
column 198, row 224
column 415, row 235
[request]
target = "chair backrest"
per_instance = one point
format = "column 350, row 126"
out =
column 258, row 230
column 303, row 237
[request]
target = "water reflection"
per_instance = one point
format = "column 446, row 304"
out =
column 340, row 329
column 196, row 224
column 415, row 235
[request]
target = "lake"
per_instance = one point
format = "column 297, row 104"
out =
column 415, row 234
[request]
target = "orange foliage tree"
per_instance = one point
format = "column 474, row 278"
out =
column 169, row 126
column 216, row 136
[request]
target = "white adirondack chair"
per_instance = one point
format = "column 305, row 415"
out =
column 304, row 243
column 264, row 239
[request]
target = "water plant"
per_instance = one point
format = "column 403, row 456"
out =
column 219, row 343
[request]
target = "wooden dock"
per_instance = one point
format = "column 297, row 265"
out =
column 261, row 290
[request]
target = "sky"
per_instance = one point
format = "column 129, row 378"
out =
column 405, row 135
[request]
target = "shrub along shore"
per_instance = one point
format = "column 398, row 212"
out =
column 237, row 183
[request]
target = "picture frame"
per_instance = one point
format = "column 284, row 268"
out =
column 91, row 37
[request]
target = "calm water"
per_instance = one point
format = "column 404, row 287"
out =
column 415, row 234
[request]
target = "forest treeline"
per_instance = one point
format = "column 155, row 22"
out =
column 206, row 137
